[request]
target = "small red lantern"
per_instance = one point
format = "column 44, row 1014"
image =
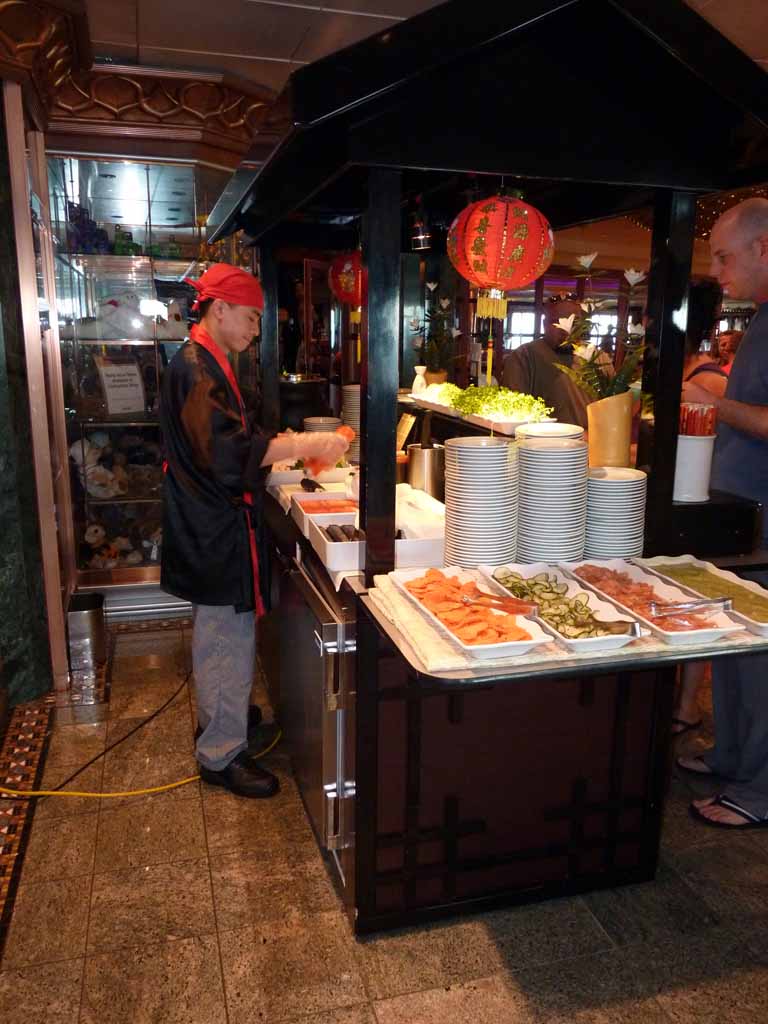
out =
column 348, row 278
column 500, row 244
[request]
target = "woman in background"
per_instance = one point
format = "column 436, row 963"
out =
column 727, row 345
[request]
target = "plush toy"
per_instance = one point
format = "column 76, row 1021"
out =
column 98, row 481
column 144, row 481
column 103, row 555
column 108, row 554
column 120, row 316
column 128, row 555
column 175, row 327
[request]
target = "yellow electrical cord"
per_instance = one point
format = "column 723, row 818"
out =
column 133, row 792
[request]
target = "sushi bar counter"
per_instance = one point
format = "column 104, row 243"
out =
column 489, row 722
column 507, row 754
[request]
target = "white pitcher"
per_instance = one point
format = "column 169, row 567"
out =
column 419, row 382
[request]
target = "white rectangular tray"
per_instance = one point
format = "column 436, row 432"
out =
column 336, row 556
column 666, row 592
column 481, row 652
column 753, row 625
column 302, row 519
column 603, row 608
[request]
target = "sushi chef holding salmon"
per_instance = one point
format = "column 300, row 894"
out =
column 216, row 458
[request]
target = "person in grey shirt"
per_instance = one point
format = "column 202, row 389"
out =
column 739, row 245
column 533, row 368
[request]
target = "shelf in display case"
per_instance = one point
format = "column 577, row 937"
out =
column 122, row 575
column 113, row 263
column 108, row 262
column 125, row 500
column 129, row 341
column 120, row 341
column 85, row 422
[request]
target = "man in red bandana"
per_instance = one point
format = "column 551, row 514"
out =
column 216, row 459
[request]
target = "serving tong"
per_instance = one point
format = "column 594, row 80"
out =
column 616, row 627
column 720, row 604
column 501, row 603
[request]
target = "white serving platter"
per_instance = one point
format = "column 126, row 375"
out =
column 724, row 623
column 481, row 652
column 753, row 625
column 603, row 608
column 506, row 427
column 435, row 406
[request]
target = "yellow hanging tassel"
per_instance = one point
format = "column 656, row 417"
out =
column 489, row 364
column 491, row 303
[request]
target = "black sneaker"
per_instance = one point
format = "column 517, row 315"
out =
column 243, row 777
column 254, row 721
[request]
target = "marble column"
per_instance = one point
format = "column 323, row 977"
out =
column 24, row 648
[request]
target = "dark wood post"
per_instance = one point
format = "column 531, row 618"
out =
column 464, row 315
column 379, row 378
column 667, row 310
column 412, row 309
column 622, row 326
column 269, row 349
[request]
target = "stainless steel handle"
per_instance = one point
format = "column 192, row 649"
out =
column 724, row 604
column 338, row 833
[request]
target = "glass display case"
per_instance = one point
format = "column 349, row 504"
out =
column 126, row 236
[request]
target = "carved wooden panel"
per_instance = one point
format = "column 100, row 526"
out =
column 162, row 105
column 41, row 44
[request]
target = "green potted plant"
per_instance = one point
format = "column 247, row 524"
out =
column 609, row 413
column 438, row 338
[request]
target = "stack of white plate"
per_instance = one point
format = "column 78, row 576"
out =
column 615, row 512
column 350, row 413
column 549, row 428
column 480, row 501
column 321, row 424
column 552, row 515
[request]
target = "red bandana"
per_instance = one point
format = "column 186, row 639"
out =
column 229, row 283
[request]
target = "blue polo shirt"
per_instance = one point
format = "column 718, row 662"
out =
column 740, row 463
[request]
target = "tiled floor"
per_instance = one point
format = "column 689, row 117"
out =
column 201, row 908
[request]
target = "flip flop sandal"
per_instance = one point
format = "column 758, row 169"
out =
column 696, row 772
column 751, row 821
column 684, row 726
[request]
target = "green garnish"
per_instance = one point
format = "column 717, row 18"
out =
column 570, row 616
column 500, row 403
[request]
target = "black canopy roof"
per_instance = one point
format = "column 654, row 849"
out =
column 596, row 104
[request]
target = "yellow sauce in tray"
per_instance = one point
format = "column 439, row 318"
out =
column 706, row 583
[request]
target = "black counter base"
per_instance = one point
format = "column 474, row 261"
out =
column 472, row 797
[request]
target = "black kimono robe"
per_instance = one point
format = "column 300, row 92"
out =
column 212, row 461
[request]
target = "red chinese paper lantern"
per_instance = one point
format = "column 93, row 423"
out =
column 500, row 244
column 348, row 278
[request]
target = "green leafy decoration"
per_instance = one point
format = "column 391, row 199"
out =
column 596, row 381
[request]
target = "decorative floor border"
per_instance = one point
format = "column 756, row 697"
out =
column 22, row 756
column 23, row 750
column 150, row 625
